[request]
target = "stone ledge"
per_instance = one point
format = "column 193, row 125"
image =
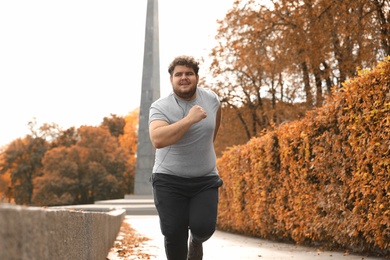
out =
column 42, row 233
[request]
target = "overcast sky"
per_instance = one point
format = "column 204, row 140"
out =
column 75, row 62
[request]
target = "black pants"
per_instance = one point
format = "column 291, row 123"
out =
column 183, row 204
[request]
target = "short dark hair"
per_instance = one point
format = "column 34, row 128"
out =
column 184, row 61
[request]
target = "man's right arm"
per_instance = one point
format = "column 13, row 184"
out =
column 163, row 134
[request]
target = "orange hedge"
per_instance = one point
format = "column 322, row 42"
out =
column 321, row 180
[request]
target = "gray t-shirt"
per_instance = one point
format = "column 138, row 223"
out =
column 193, row 155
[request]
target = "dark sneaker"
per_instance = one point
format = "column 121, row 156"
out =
column 195, row 251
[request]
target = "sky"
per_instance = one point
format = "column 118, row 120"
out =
column 75, row 62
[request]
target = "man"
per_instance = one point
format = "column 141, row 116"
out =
column 185, row 180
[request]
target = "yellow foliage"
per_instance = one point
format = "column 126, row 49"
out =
column 129, row 142
column 323, row 179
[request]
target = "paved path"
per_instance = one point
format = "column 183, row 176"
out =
column 141, row 215
column 226, row 246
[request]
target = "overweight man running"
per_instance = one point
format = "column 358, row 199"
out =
column 182, row 128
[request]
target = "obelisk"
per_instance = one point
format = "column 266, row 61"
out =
column 150, row 93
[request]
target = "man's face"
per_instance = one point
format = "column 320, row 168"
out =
column 184, row 82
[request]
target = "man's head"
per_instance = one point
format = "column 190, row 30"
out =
column 184, row 77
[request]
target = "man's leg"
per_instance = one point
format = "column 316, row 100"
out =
column 172, row 208
column 203, row 219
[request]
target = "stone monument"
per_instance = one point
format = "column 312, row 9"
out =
column 150, row 93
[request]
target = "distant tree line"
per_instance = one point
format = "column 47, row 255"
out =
column 51, row 166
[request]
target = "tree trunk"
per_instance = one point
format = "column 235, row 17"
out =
column 318, row 79
column 306, row 81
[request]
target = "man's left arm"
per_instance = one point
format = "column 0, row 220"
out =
column 217, row 121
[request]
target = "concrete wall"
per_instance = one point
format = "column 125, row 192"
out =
column 38, row 233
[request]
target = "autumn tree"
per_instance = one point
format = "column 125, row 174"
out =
column 103, row 150
column 90, row 170
column 247, row 70
column 115, row 124
column 293, row 51
column 61, row 182
column 22, row 162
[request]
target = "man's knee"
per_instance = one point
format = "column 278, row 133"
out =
column 202, row 233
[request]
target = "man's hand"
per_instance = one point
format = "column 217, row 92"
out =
column 196, row 114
